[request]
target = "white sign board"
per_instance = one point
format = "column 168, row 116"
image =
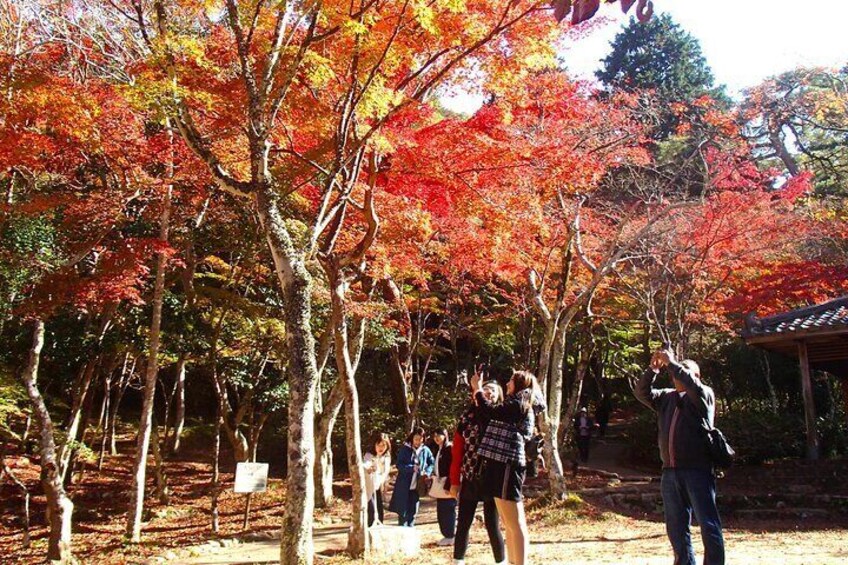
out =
column 251, row 477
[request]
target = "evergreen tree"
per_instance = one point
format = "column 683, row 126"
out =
column 662, row 57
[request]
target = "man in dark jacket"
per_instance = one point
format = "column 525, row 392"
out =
column 688, row 478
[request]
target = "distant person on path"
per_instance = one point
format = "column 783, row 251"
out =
column 465, row 481
column 377, row 462
column 415, row 463
column 583, row 425
column 503, row 459
column 688, row 478
column 440, row 490
column 602, row 415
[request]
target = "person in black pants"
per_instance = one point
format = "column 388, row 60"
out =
column 445, row 503
column 465, row 485
column 583, row 426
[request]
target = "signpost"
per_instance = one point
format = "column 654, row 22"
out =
column 250, row 478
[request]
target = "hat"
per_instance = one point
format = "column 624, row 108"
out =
column 583, row 409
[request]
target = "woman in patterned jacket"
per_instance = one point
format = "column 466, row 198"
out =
column 465, row 484
column 503, row 464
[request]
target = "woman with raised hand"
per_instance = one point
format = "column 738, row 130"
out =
column 465, row 482
column 377, row 461
column 415, row 463
column 503, row 463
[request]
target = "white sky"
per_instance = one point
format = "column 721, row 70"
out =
column 744, row 41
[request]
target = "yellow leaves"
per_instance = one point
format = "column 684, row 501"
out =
column 426, row 17
column 453, row 6
column 354, row 28
column 318, row 70
column 379, row 99
column 213, row 9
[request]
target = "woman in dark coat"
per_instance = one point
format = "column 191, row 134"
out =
column 415, row 463
column 465, row 482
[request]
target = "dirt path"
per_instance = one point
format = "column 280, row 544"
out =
column 609, row 454
column 330, row 541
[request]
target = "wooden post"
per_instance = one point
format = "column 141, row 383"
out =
column 809, row 404
column 246, row 520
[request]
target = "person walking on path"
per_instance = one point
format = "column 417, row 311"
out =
column 688, row 477
column 465, row 483
column 415, row 463
column 377, row 461
column 583, row 426
column 440, row 490
column 502, row 456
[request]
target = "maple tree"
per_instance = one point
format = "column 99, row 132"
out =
column 195, row 191
column 340, row 77
column 507, row 191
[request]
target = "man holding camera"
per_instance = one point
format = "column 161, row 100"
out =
column 688, row 477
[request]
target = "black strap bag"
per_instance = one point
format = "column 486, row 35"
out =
column 720, row 451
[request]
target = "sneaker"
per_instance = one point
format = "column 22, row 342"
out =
column 459, row 562
column 444, row 542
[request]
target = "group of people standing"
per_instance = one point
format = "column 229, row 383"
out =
column 487, row 463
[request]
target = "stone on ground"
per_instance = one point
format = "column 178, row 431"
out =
column 394, row 540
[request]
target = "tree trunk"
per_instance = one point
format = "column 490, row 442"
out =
column 216, row 477
column 357, row 544
column 105, row 421
column 25, row 435
column 399, row 365
column 551, row 422
column 545, row 356
column 59, row 506
column 151, row 372
column 576, row 388
column 764, row 360
column 296, row 547
column 324, row 445
column 399, row 380
column 78, row 405
column 162, row 491
column 123, row 383
column 179, row 416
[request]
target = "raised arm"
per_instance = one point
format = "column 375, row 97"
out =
column 511, row 411
column 701, row 395
column 645, row 391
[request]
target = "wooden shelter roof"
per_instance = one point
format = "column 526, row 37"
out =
column 823, row 327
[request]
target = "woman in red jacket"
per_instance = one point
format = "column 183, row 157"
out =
column 465, row 483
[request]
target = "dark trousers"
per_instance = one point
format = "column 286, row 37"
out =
column 407, row 518
column 375, row 506
column 446, row 514
column 467, row 508
column 685, row 491
column 583, row 447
